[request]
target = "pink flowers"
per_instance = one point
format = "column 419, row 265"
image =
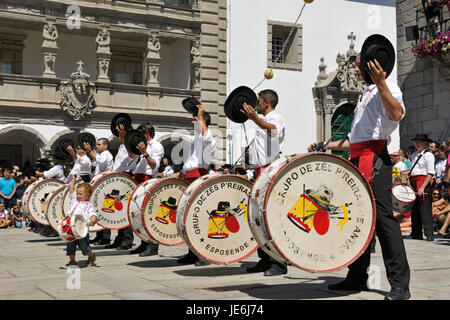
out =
column 432, row 46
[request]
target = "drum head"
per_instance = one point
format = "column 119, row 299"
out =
column 212, row 219
column 403, row 193
column 37, row 196
column 53, row 206
column 314, row 211
column 159, row 210
column 110, row 196
column 79, row 227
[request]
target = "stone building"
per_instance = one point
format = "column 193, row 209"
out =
column 425, row 81
column 66, row 69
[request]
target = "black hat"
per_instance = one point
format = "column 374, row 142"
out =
column 421, row 137
column 190, row 104
column 132, row 139
column 64, row 143
column 223, row 206
column 380, row 48
column 172, row 202
column 88, row 138
column 235, row 101
column 120, row 118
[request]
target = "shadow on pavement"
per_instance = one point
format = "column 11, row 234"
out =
column 45, row 240
column 158, row 263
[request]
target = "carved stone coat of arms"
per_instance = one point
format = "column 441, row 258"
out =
column 77, row 94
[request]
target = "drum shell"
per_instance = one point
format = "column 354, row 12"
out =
column 274, row 240
column 399, row 205
column 135, row 214
column 34, row 205
column 53, row 206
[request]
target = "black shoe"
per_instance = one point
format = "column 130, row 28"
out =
column 430, row 238
column 261, row 266
column 103, row 242
column 149, row 251
column 188, row 259
column 416, row 237
column 275, row 270
column 348, row 285
column 398, row 294
column 95, row 240
column 201, row 262
column 124, row 247
column 139, row 249
column 112, row 246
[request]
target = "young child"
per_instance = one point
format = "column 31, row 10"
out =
column 79, row 204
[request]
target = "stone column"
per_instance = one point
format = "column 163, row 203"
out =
column 152, row 60
column 49, row 47
column 195, row 65
column 103, row 53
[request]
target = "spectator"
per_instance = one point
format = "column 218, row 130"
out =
column 20, row 188
column 432, row 10
column 7, row 188
column 4, row 216
column 404, row 219
column 437, row 205
column 411, row 150
column 440, row 166
column 400, row 171
column 166, row 170
column 1, row 172
column 405, row 160
column 16, row 217
column 212, row 168
column 444, row 213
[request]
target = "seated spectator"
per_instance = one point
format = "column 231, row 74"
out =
column 444, row 214
column 166, row 169
column 404, row 219
column 5, row 221
column 16, row 217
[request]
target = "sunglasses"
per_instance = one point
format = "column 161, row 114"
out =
column 435, row 194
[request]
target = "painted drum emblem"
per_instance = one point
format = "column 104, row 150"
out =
column 111, row 193
column 212, row 218
column 36, row 196
column 314, row 211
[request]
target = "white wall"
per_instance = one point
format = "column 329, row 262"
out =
column 326, row 25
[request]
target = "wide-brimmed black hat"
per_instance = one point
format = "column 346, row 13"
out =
column 64, row 143
column 190, row 104
column 120, row 118
column 235, row 101
column 172, row 203
column 380, row 48
column 421, row 137
column 132, row 139
column 88, row 138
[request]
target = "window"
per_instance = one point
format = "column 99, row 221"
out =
column 126, row 65
column 281, row 34
column 11, row 48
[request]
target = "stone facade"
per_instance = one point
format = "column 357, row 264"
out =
column 425, row 83
column 109, row 33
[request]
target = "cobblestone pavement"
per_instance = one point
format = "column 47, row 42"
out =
column 31, row 266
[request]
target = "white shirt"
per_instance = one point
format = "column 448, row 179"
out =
column 3, row 214
column 56, row 172
column 203, row 149
column 401, row 166
column 84, row 208
column 123, row 162
column 104, row 162
column 424, row 166
column 156, row 151
column 82, row 167
column 167, row 172
column 440, row 169
column 371, row 121
column 264, row 149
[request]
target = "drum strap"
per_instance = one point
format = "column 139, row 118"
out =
column 366, row 151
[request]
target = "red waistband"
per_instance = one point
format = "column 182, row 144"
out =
column 418, row 178
column 367, row 147
column 196, row 173
column 141, row 177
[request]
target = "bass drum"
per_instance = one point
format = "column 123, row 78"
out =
column 111, row 192
column 66, row 204
column 35, row 197
column 212, row 218
column 53, row 207
column 314, row 211
column 152, row 210
column 25, row 197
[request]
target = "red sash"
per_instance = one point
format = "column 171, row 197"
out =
column 419, row 180
column 141, row 177
column 366, row 151
column 196, row 173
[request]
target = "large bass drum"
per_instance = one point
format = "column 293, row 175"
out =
column 313, row 211
column 111, row 192
column 35, row 197
column 212, row 218
column 152, row 210
column 53, row 207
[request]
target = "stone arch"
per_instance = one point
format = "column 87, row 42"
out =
column 177, row 146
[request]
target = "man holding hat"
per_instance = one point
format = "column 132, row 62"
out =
column 265, row 148
column 376, row 116
column 82, row 166
column 202, row 152
column 422, row 172
column 104, row 163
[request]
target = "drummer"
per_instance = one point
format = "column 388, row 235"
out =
column 82, row 166
column 265, row 149
column 376, row 116
column 203, row 149
column 57, row 171
column 104, row 162
column 147, row 168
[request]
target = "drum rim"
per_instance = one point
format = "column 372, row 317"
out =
column 189, row 201
column 31, row 190
column 108, row 173
column 365, row 182
column 144, row 200
column 404, row 184
column 26, row 194
column 50, row 199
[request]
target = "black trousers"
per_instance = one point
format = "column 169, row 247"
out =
column 388, row 232
column 104, row 235
column 124, row 237
column 421, row 215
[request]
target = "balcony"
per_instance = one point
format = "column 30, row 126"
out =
column 182, row 3
column 424, row 29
